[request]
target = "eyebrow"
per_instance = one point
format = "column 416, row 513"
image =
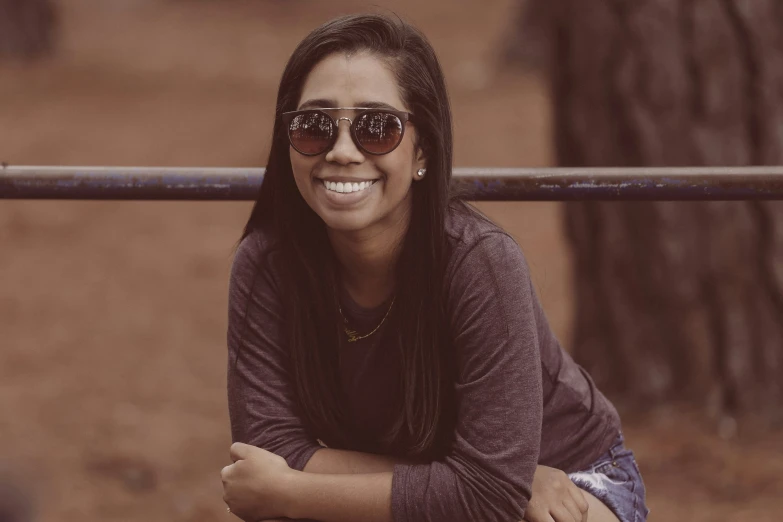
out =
column 324, row 103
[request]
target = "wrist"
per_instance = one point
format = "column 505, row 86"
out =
column 290, row 486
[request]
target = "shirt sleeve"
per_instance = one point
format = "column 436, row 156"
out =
column 261, row 401
column 488, row 473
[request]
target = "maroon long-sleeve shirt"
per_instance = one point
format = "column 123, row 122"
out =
column 520, row 399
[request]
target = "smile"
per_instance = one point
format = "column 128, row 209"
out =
column 347, row 188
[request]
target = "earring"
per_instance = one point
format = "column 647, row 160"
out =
column 421, row 172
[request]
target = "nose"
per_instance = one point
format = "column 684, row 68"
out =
column 344, row 150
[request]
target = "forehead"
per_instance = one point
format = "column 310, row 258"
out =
column 349, row 81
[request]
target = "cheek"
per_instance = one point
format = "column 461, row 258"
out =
column 301, row 168
column 398, row 167
column 396, row 174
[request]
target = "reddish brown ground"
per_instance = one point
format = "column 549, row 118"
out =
column 112, row 315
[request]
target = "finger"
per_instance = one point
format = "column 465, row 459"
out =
column 535, row 513
column 561, row 514
column 586, row 512
column 579, row 499
column 570, row 505
column 225, row 472
column 238, row 451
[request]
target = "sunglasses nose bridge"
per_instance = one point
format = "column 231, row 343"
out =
column 341, row 151
column 350, row 127
column 337, row 125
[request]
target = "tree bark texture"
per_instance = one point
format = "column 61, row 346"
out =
column 675, row 300
column 27, row 28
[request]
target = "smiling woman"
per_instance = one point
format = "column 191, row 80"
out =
column 388, row 356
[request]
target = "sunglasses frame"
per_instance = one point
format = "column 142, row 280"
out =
column 403, row 116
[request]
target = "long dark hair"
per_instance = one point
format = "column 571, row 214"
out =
column 311, row 297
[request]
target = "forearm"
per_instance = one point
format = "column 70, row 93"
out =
column 340, row 497
column 342, row 462
column 335, row 461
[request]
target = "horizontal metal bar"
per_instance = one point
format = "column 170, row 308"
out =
column 477, row 184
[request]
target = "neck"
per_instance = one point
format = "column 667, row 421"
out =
column 367, row 260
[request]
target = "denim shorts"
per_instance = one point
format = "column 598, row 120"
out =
column 614, row 479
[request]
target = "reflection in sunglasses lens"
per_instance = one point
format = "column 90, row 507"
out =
column 311, row 132
column 378, row 132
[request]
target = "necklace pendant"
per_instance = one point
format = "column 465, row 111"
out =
column 352, row 335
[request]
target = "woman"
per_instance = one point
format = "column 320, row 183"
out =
column 388, row 356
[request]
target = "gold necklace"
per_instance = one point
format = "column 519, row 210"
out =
column 352, row 334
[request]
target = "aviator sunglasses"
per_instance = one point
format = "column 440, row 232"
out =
column 375, row 131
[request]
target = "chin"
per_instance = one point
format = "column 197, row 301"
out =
column 346, row 224
column 346, row 221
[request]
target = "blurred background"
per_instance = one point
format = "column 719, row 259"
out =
column 113, row 315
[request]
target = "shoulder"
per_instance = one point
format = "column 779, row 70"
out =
column 474, row 238
column 258, row 245
column 257, row 255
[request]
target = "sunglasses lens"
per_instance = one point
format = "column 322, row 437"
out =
column 311, row 132
column 378, row 132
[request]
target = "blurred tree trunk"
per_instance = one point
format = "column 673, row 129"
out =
column 674, row 300
column 27, row 28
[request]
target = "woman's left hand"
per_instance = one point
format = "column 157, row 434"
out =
column 556, row 498
column 254, row 486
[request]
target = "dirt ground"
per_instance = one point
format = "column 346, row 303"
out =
column 112, row 315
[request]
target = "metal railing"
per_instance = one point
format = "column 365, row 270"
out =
column 476, row 184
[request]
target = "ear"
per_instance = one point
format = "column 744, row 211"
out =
column 419, row 163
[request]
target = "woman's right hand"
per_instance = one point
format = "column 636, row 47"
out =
column 555, row 497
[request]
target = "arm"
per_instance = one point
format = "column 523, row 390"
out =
column 329, row 492
column 364, row 498
column 554, row 496
column 334, row 461
column 340, row 498
column 330, row 461
column 261, row 402
column 489, row 471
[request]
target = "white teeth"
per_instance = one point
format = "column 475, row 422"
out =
column 346, row 188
